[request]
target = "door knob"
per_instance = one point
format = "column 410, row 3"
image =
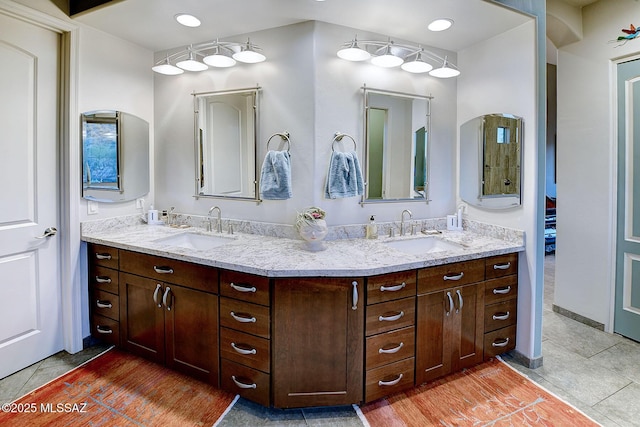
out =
column 48, row 232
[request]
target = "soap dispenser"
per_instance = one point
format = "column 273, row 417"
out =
column 371, row 231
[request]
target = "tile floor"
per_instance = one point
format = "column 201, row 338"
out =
column 599, row 373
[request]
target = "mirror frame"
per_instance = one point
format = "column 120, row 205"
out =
column 427, row 125
column 199, row 162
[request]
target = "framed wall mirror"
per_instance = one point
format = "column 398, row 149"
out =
column 396, row 166
column 115, row 156
column 490, row 161
column 226, row 128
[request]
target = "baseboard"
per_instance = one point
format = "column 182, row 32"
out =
column 578, row 318
column 526, row 361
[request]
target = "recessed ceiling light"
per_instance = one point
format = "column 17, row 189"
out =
column 440, row 24
column 187, row 20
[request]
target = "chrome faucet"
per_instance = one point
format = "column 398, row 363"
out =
column 219, row 224
column 402, row 227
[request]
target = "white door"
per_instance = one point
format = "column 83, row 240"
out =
column 30, row 301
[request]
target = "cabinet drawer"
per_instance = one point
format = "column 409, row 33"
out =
column 391, row 315
column 248, row 383
column 195, row 276
column 389, row 379
column 105, row 256
column 500, row 341
column 105, row 329
column 387, row 287
column 499, row 315
column 245, row 349
column 390, row 347
column 501, row 265
column 245, row 317
column 105, row 304
column 246, row 287
column 104, row 279
column 450, row 275
column 501, row 289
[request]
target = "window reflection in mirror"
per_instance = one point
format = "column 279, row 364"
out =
column 225, row 138
column 396, row 137
column 115, row 156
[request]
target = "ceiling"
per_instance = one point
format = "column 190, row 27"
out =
column 151, row 24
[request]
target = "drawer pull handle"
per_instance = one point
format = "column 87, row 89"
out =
column 393, row 288
column 456, row 277
column 448, row 312
column 103, row 256
column 502, row 291
column 243, row 319
column 392, row 318
column 103, row 279
column 459, row 300
column 243, row 385
column 241, row 288
column 102, row 330
column 390, row 383
column 103, row 304
column 166, row 298
column 391, row 350
column 163, row 270
column 502, row 266
column 502, row 343
column 501, row 316
column 355, row 295
column 242, row 350
column 156, row 293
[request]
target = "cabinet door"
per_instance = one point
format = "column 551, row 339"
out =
column 433, row 336
column 468, row 326
column 191, row 332
column 141, row 318
column 318, row 332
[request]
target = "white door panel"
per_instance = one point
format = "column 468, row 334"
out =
column 30, row 306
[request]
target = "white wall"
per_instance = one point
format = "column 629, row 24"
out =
column 310, row 92
column 586, row 161
column 502, row 80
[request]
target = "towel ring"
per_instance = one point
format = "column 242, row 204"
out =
column 285, row 137
column 338, row 137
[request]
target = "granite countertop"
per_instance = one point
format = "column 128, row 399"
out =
column 288, row 257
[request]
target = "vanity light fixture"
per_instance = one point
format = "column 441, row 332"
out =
column 389, row 54
column 440, row 24
column 187, row 20
column 198, row 57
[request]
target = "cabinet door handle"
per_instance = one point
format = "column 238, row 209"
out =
column 501, row 316
column 393, row 288
column 460, row 301
column 390, row 383
column 102, row 330
column 156, row 295
column 242, row 287
column 502, row 343
column 103, row 304
column 392, row 318
column 163, row 269
column 103, row 256
column 456, row 277
column 103, row 279
column 166, row 298
column 242, row 350
column 502, row 266
column 355, row 295
column 502, row 291
column 242, row 385
column 391, row 350
column 243, row 319
column 448, row 312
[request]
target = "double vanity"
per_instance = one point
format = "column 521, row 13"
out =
column 261, row 317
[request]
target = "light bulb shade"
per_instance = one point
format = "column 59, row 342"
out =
column 248, row 55
column 387, row 60
column 354, row 53
column 219, row 60
column 417, row 66
column 167, row 69
column 444, row 72
column 191, row 65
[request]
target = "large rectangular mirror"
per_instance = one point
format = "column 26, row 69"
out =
column 490, row 161
column 397, row 145
column 115, row 156
column 225, row 137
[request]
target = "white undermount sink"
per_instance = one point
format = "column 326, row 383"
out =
column 424, row 245
column 198, row 242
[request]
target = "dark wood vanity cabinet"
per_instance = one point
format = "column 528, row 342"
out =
column 501, row 304
column 318, row 330
column 104, row 301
